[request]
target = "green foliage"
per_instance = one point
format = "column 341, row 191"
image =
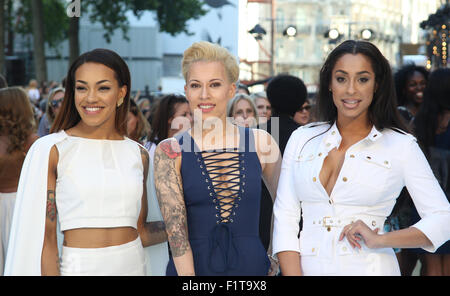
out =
column 172, row 15
column 56, row 22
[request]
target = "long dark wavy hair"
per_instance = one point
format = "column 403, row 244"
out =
column 383, row 109
column 436, row 100
column 165, row 111
column 68, row 115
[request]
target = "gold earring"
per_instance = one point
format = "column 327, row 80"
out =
column 119, row 102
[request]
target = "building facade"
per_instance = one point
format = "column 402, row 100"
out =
column 392, row 24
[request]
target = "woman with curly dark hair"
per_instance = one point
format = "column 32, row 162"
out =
column 410, row 82
column 17, row 133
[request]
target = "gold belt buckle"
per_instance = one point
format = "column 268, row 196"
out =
column 327, row 222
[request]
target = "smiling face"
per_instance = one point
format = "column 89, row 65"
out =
column 353, row 86
column 209, row 89
column 414, row 88
column 96, row 95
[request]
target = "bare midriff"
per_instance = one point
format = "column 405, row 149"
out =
column 99, row 237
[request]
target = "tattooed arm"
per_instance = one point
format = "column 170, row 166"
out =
column 50, row 258
column 151, row 233
column 169, row 190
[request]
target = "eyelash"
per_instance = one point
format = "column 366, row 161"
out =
column 362, row 79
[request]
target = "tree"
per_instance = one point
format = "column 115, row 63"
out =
column 172, row 16
column 2, row 37
column 46, row 20
column 38, row 40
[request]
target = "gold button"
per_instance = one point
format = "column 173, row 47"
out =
column 313, row 249
column 320, row 154
column 352, row 156
column 386, row 162
column 314, row 179
column 344, row 179
column 374, row 223
column 328, row 228
column 333, row 132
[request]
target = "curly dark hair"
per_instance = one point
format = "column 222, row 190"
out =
column 16, row 118
column 401, row 78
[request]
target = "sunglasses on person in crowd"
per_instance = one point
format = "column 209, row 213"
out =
column 56, row 103
column 306, row 108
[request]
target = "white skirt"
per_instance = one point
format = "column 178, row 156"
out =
column 126, row 259
column 7, row 201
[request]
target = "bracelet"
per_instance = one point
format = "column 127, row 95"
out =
column 273, row 258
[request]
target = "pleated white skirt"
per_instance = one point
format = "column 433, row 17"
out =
column 7, row 201
column 122, row 260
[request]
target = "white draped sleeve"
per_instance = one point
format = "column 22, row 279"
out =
column 28, row 223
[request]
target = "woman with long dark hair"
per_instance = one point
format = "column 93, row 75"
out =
column 172, row 115
column 431, row 126
column 89, row 177
column 346, row 172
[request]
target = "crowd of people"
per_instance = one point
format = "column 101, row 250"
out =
column 224, row 181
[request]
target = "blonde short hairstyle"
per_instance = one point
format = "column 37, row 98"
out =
column 233, row 102
column 209, row 52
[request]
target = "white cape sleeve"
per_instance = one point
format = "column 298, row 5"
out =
column 28, row 222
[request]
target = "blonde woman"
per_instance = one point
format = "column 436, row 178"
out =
column 242, row 109
column 209, row 195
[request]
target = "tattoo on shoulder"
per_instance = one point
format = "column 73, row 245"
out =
column 51, row 205
column 171, row 149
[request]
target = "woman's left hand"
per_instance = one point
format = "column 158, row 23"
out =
column 357, row 231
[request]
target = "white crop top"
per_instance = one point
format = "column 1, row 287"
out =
column 99, row 183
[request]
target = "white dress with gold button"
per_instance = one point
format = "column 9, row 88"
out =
column 374, row 172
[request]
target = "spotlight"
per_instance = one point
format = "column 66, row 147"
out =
column 290, row 31
column 333, row 34
column 367, row 34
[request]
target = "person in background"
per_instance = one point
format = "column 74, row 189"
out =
column 243, row 111
column 137, row 125
column 242, row 89
column 286, row 94
column 303, row 115
column 431, row 126
column 263, row 106
column 52, row 109
column 33, row 92
column 345, row 173
column 172, row 116
column 138, row 129
column 17, row 133
column 144, row 105
column 410, row 82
